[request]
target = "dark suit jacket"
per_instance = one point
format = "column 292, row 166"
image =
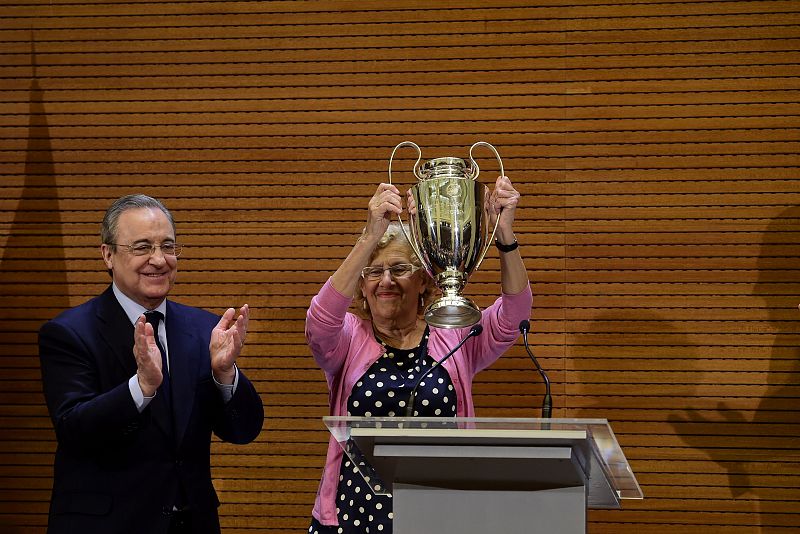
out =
column 119, row 471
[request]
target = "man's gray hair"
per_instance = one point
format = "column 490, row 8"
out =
column 108, row 231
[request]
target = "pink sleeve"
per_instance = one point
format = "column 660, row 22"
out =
column 500, row 323
column 328, row 327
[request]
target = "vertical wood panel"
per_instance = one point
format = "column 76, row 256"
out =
column 655, row 145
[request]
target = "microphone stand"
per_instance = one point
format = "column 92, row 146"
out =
column 474, row 331
column 547, row 403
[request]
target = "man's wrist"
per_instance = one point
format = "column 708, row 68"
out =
column 147, row 391
column 226, row 378
column 135, row 389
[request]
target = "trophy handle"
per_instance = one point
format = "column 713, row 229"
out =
column 475, row 163
column 476, row 171
column 415, row 170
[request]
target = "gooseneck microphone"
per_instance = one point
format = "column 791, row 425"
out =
column 474, row 331
column 547, row 403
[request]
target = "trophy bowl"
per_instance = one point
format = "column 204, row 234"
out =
column 449, row 231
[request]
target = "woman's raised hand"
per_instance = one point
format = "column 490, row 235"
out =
column 505, row 198
column 383, row 203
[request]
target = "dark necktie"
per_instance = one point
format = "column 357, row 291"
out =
column 154, row 317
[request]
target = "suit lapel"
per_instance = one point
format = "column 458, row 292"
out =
column 117, row 332
column 185, row 348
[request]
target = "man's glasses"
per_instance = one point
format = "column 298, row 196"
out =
column 400, row 270
column 147, row 249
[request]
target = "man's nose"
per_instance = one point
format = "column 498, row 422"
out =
column 157, row 257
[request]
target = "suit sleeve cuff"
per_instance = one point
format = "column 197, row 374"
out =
column 227, row 390
column 139, row 399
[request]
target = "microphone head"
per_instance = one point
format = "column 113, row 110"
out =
column 524, row 326
column 475, row 330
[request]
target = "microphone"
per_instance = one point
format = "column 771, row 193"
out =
column 547, row 404
column 474, row 331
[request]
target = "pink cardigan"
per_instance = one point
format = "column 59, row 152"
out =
column 344, row 346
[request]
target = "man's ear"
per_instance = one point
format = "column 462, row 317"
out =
column 106, row 252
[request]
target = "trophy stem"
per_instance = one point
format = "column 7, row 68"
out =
column 452, row 310
column 451, row 282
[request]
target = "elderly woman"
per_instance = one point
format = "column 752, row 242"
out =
column 372, row 358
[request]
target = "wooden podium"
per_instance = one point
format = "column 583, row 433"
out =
column 484, row 475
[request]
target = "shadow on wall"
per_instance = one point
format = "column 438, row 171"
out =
column 770, row 425
column 34, row 288
column 638, row 367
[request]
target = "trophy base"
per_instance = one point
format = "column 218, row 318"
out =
column 452, row 312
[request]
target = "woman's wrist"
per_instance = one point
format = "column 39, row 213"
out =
column 503, row 247
column 368, row 241
column 505, row 237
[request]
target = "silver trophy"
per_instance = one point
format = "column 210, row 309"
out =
column 450, row 230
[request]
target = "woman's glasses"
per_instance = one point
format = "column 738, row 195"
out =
column 400, row 270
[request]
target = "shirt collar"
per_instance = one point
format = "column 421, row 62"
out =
column 133, row 309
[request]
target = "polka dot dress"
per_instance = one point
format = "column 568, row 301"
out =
column 383, row 392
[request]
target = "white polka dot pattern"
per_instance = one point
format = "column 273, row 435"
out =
column 383, row 391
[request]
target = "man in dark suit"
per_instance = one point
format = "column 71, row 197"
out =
column 136, row 384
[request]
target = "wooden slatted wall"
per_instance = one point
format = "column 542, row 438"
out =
column 655, row 144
